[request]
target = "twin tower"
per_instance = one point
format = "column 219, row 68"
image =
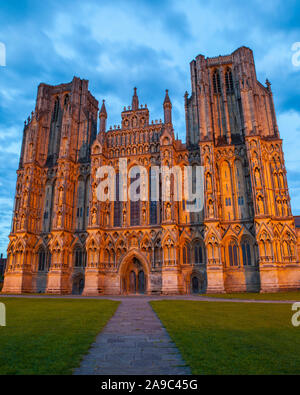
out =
column 64, row 240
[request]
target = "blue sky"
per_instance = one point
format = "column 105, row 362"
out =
column 120, row 44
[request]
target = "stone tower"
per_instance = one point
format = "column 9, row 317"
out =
column 51, row 195
column 231, row 117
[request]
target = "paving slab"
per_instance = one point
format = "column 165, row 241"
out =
column 133, row 342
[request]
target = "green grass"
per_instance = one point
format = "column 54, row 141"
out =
column 233, row 338
column 292, row 295
column 49, row 336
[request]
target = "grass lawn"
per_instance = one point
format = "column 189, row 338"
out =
column 233, row 338
column 49, row 336
column 292, row 295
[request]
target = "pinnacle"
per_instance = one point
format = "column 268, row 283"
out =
column 103, row 109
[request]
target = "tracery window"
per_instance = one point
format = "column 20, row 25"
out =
column 117, row 203
column 153, row 203
column 42, row 260
column 233, row 254
column 56, row 109
column 246, row 252
column 135, row 206
column 198, row 253
column 216, row 82
column 80, row 257
column 229, row 81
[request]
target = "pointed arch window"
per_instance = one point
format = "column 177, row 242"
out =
column 135, row 206
column 233, row 254
column 246, row 254
column 117, row 203
column 229, row 81
column 80, row 257
column 56, row 109
column 153, row 201
column 66, row 100
column 186, row 255
column 198, row 253
column 42, row 260
column 216, row 82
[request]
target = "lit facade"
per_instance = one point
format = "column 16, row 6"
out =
column 64, row 240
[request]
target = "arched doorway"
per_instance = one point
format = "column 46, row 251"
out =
column 78, row 284
column 134, row 280
column 141, row 282
column 81, row 286
column 198, row 283
column 195, row 285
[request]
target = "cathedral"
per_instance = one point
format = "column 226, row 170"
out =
column 65, row 240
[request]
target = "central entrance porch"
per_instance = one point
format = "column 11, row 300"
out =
column 134, row 279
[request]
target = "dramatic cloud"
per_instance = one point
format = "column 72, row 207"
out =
column 149, row 44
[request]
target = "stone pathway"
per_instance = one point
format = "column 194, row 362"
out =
column 133, row 342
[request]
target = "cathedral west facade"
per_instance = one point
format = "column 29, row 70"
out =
column 64, row 240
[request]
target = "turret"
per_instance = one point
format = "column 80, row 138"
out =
column 135, row 101
column 167, row 109
column 103, row 118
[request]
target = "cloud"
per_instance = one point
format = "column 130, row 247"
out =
column 149, row 44
column 289, row 126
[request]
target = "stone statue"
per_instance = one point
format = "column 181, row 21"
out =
column 94, row 217
column 210, row 209
column 208, row 182
column 60, row 196
column 107, row 217
column 59, row 219
column 261, row 206
column 168, row 213
column 257, row 178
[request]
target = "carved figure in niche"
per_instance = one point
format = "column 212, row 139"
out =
column 208, row 182
column 210, row 209
column 107, row 217
column 59, row 219
column 257, row 177
column 134, row 122
column 60, row 196
column 95, row 199
column 94, row 216
column 144, row 215
column 168, row 212
column 134, row 241
column 260, row 205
